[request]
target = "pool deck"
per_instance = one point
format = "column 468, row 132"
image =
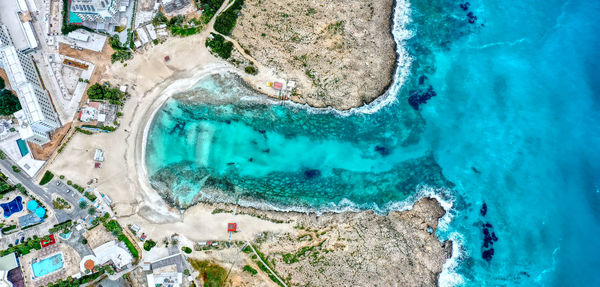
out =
column 70, row 266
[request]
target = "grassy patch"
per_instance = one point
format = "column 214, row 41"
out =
column 212, row 275
column 47, row 177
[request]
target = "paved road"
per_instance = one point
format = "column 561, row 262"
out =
column 27, row 182
column 69, row 194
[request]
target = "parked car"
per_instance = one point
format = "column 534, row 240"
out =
column 58, row 183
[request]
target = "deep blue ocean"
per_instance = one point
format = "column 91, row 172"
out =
column 498, row 117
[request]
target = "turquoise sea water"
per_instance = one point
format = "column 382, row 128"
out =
column 513, row 126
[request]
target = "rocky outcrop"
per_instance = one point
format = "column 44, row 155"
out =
column 340, row 52
column 361, row 249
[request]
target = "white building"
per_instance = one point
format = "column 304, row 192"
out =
column 40, row 117
column 25, row 17
column 95, row 10
column 112, row 252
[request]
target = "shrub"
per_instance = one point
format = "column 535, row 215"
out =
column 251, row 70
column 85, row 132
column 186, row 249
column 250, row 270
column 16, row 169
column 47, row 177
column 149, row 244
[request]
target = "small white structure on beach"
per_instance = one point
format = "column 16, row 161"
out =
column 99, row 155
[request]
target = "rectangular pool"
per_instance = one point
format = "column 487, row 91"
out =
column 47, row 265
column 22, row 147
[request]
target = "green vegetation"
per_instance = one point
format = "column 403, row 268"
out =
column 60, row 204
column 47, row 177
column 106, row 92
column 149, row 244
column 92, row 211
column 122, row 52
column 250, row 270
column 219, row 46
column 212, row 274
column 16, row 169
column 85, row 132
column 24, row 247
column 2, row 155
column 83, row 204
column 186, row 249
column 226, row 20
column 220, row 210
column 9, row 103
column 178, row 25
column 209, row 8
column 74, row 282
column 2, row 84
column 8, row 228
column 116, row 229
column 90, row 196
column 62, row 227
column 264, row 268
column 251, row 70
column 160, row 18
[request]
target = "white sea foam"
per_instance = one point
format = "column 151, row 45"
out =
column 449, row 277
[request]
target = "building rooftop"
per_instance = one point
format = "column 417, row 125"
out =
column 8, row 262
column 111, row 251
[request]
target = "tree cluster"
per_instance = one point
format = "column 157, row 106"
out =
column 226, row 20
column 219, row 46
column 106, row 92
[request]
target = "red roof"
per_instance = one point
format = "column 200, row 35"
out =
column 231, row 227
column 277, row 85
column 48, row 242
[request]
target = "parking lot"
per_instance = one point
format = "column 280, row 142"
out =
column 61, row 189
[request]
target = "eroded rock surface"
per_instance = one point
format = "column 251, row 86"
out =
column 340, row 52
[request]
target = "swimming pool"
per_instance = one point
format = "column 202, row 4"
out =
column 13, row 206
column 47, row 265
column 22, row 147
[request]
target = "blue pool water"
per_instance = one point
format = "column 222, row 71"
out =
column 23, row 149
column 47, row 265
column 513, row 127
column 13, row 206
